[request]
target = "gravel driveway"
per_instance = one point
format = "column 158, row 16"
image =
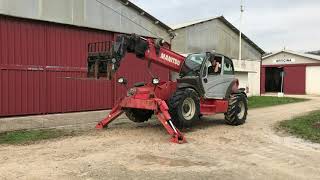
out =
column 142, row 151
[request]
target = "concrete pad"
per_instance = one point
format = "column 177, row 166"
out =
column 51, row 121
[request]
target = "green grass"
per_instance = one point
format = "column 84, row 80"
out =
column 265, row 101
column 32, row 136
column 306, row 127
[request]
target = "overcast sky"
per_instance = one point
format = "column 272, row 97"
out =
column 272, row 24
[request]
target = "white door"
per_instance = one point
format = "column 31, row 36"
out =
column 312, row 80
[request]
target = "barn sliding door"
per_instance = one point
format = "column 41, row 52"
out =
column 295, row 80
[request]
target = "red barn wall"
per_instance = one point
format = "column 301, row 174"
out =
column 35, row 58
column 263, row 80
column 295, row 79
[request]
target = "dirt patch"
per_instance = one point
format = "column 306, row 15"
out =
column 151, row 159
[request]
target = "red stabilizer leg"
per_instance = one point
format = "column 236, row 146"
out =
column 165, row 118
column 176, row 135
column 116, row 112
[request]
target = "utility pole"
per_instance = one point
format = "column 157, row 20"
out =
column 240, row 29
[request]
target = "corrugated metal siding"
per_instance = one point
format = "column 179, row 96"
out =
column 35, row 58
column 263, row 80
column 295, row 80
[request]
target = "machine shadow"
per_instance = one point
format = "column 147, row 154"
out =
column 204, row 123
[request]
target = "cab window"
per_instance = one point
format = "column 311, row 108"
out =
column 228, row 68
column 192, row 65
column 214, row 66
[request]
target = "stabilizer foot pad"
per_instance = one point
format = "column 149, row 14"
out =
column 178, row 140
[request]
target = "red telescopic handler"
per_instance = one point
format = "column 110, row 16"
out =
column 206, row 85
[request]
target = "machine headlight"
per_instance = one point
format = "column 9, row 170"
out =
column 122, row 81
column 155, row 81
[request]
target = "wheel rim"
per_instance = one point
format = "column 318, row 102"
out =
column 241, row 110
column 188, row 108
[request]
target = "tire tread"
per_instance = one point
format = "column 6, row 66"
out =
column 231, row 116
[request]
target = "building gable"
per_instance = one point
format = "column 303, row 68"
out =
column 284, row 57
column 214, row 34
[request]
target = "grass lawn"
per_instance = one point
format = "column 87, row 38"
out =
column 29, row 137
column 306, row 127
column 265, row 101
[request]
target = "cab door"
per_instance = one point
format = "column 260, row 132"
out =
column 216, row 84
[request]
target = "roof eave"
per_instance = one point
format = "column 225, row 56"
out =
column 291, row 52
column 200, row 22
column 236, row 30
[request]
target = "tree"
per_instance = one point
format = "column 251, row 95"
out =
column 314, row 52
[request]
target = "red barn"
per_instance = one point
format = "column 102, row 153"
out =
column 43, row 42
column 291, row 72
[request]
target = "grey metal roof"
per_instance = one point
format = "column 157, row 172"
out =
column 226, row 22
column 143, row 12
column 311, row 56
column 190, row 23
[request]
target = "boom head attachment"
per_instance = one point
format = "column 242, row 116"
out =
column 99, row 62
column 104, row 57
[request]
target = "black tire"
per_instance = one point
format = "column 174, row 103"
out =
column 237, row 110
column 138, row 115
column 184, row 107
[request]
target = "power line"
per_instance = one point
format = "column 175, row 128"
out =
column 103, row 4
